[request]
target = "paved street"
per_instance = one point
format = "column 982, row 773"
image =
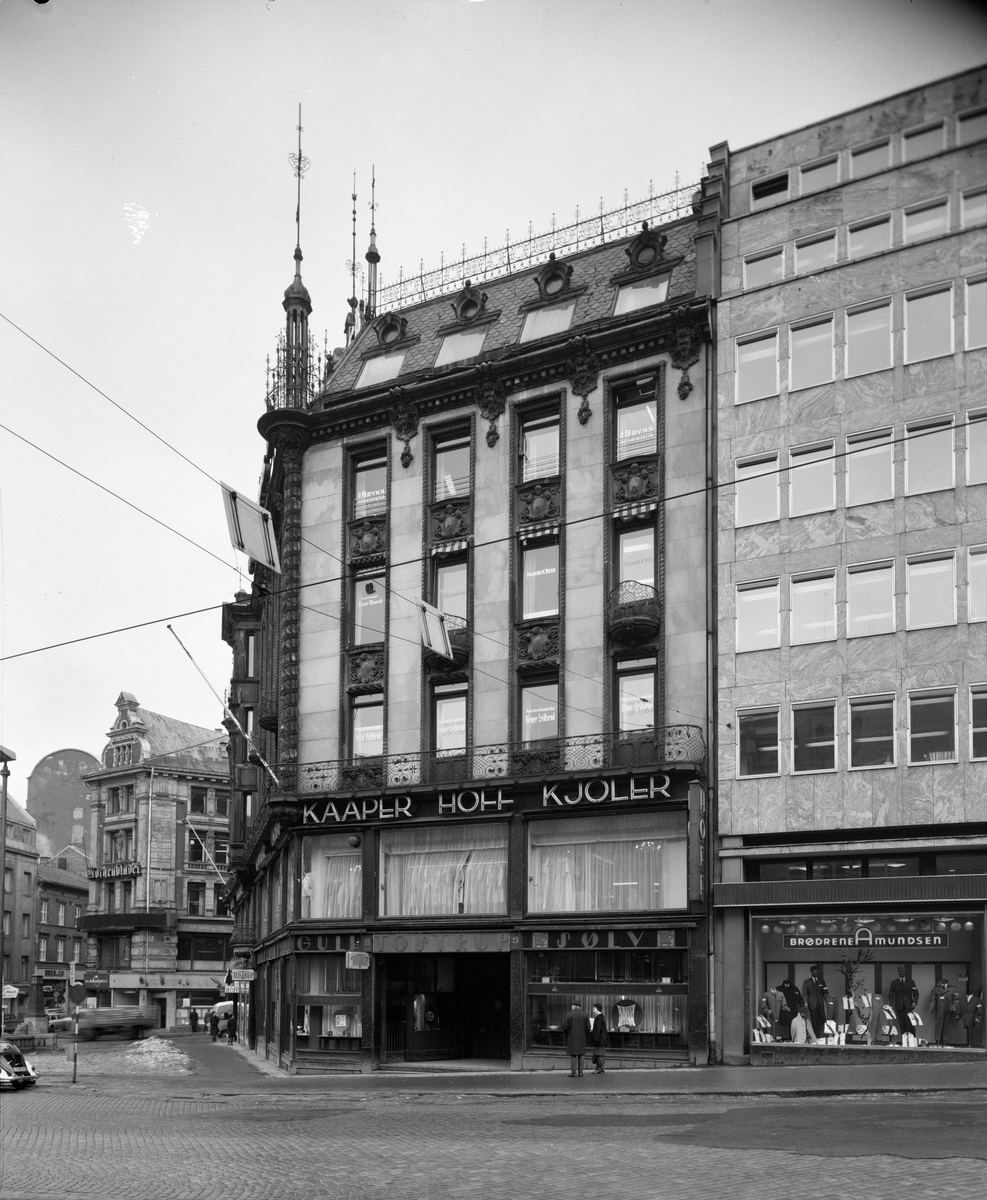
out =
column 228, row 1130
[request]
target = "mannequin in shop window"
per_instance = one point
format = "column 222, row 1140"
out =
column 772, row 1004
column 816, row 999
column 972, row 1016
column 903, row 998
column 944, row 1005
column 793, row 1006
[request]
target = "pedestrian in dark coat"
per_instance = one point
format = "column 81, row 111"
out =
column 214, row 1026
column 231, row 1029
column 600, row 1038
column 576, row 1029
column 193, row 1020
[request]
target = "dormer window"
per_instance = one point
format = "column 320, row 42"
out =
column 642, row 293
column 465, row 343
column 544, row 322
column 390, row 328
column 380, row 369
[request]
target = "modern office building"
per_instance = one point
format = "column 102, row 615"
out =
column 852, row 430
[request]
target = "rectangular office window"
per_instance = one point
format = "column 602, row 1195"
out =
column 814, row 737
column 637, row 419
column 868, row 339
column 758, row 617
column 976, row 447
column 931, row 727
column 222, row 804
column 973, row 208
column 976, row 313
column 812, row 479
column 976, row 568
column 464, row 343
column 929, row 457
column 636, row 556
column 539, row 447
column 449, row 719
column 865, row 160
column 930, row 592
column 367, row 725
column 919, row 143
column 812, row 254
column 197, row 800
column 971, row 126
column 757, row 367
column 196, row 899
column 757, row 742
column 895, row 867
column 641, row 294
column 452, row 588
column 757, row 490
column 772, row 190
column 635, row 695
column 369, row 487
column 926, row 221
column 445, row 872
column 818, row 175
column 978, row 721
column 540, row 581
column 869, row 237
column 811, row 350
column 813, row 609
column 872, row 742
column 368, row 610
column 928, row 325
column 766, row 267
column 544, row 322
column 600, row 864
column 380, row 369
column 452, row 468
column 196, row 852
column 870, row 599
column 539, row 711
column 870, row 467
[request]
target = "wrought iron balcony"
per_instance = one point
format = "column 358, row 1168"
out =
column 670, row 745
column 633, row 613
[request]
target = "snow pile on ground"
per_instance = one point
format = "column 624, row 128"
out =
column 155, row 1054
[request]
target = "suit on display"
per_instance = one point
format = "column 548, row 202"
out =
column 942, row 1003
column 972, row 1016
column 816, row 1000
column 903, row 997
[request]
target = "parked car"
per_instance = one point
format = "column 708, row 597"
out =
column 121, row 1018
column 15, row 1071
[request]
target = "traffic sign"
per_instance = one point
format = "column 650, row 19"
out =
column 71, row 973
column 240, row 988
column 77, row 993
column 10, row 992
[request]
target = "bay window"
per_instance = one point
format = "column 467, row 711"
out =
column 332, row 878
column 448, row 871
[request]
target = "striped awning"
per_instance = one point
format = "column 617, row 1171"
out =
column 452, row 547
column 634, row 512
column 542, row 529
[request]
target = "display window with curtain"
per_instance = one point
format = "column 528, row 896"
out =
column 444, row 871
column 332, row 878
column 328, row 1007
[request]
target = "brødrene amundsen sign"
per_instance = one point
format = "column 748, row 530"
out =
column 864, row 937
column 487, row 799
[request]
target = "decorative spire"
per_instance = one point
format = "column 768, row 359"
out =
column 297, row 302
column 349, row 326
column 372, row 255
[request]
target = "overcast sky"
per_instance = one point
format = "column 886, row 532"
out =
column 147, row 231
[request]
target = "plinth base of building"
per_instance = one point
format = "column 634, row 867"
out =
column 788, row 1054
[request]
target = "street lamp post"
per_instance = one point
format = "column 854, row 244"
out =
column 6, row 757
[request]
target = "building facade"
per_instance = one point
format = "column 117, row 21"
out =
column 19, row 884
column 439, row 847
column 156, row 924
column 58, row 799
column 852, row 428
column 62, row 897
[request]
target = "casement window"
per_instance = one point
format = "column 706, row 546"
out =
column 812, row 254
column 978, row 721
column 60, row 914
column 635, row 694
column 539, row 447
column 757, row 490
column 869, row 237
column 824, row 173
column 250, row 655
column 929, row 456
column 452, row 588
column 367, row 725
column 976, row 583
column 872, row 737
column 636, row 556
column 221, row 852
column 926, row 221
column 930, row 591
column 976, row 447
column 642, row 293
column 539, row 711
column 757, row 742
column 332, row 878
column 814, row 737
column 813, row 608
column 380, row 369
column 931, row 726
column 195, row 854
column 976, row 313
column 973, row 208
column 865, row 160
column 369, row 486
column 44, row 912
column 42, row 946
column 636, row 419
column 870, row 467
column 868, row 339
column 757, row 367
column 451, row 467
column 928, row 325
column 971, row 126
column 811, row 350
column 540, row 581
column 870, row 599
column 758, row 616
column 368, row 609
column 222, row 804
column 463, row 344
column 197, row 800
column 448, row 871
column 196, row 899
column 544, row 322
column 449, row 719
column 765, row 267
column 772, row 190
column 919, row 143
column 812, row 479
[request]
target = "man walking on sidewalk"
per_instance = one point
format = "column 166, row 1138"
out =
column 576, row 1027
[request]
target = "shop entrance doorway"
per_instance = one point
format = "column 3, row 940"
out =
column 446, row 1006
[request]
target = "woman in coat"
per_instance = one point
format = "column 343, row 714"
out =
column 576, row 1027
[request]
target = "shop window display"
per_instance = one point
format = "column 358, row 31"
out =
column 328, row 1013
column 332, row 878
column 449, row 871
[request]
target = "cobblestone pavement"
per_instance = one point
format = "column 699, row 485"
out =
column 205, row 1138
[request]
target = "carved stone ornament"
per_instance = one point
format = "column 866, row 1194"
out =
column 538, row 644
column 687, row 341
column 489, row 395
column 267, row 715
column 538, row 502
column 636, row 481
column 469, row 303
column 646, row 249
column 404, row 420
column 368, row 538
column 582, row 369
column 390, row 328
column 553, row 279
column 450, row 521
column 367, row 670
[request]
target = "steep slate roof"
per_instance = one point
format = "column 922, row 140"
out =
column 63, row 879
column 18, row 814
column 593, row 268
column 188, row 747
